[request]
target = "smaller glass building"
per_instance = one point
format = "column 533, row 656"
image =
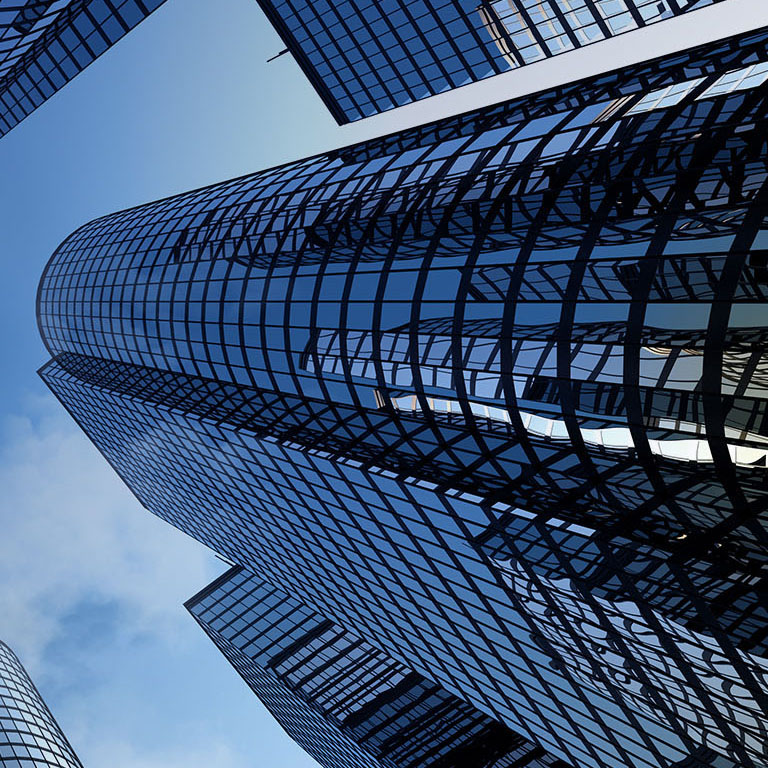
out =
column 344, row 701
column 367, row 56
column 30, row 737
column 45, row 43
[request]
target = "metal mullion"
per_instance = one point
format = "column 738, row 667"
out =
column 98, row 28
column 342, row 54
column 598, row 17
column 384, row 52
column 477, row 38
column 560, row 16
column 632, row 8
column 370, row 485
column 427, row 47
column 533, row 28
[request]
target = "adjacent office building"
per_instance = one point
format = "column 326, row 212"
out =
column 345, row 701
column 489, row 394
column 30, row 737
column 367, row 56
column 45, row 43
column 362, row 57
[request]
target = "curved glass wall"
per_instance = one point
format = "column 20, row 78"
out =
column 491, row 392
column 30, row 737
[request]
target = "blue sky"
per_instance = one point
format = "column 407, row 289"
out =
column 91, row 585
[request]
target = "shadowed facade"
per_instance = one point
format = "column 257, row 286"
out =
column 344, row 701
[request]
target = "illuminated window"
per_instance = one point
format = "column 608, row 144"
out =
column 616, row 438
column 665, row 97
column 738, row 80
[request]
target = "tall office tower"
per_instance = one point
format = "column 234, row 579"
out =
column 45, row 43
column 367, row 56
column 30, row 737
column 343, row 700
column 489, row 393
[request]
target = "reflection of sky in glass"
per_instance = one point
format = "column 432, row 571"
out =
column 29, row 734
column 336, row 693
column 658, row 677
column 367, row 57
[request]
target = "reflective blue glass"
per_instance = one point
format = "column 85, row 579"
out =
column 45, row 43
column 30, row 737
column 345, row 701
column 367, row 56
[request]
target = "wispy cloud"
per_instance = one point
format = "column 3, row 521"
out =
column 120, row 755
column 73, row 536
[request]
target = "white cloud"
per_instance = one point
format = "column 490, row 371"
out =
column 120, row 755
column 91, row 594
column 72, row 533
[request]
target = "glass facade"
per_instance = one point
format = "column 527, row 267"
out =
column 348, row 703
column 489, row 393
column 45, row 43
column 30, row 737
column 367, row 56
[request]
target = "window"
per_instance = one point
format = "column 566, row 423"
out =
column 738, row 80
column 665, row 97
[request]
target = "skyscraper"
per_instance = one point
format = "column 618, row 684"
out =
column 30, row 737
column 343, row 700
column 362, row 57
column 367, row 56
column 45, row 43
column 489, row 393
